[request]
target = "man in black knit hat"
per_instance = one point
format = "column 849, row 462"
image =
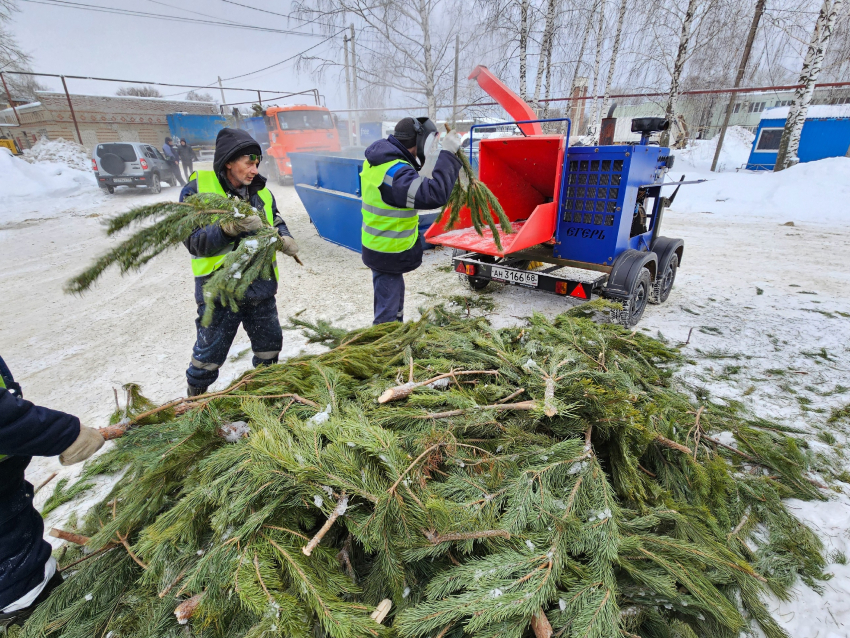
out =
column 235, row 173
column 393, row 192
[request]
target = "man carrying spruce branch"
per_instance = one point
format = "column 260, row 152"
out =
column 393, row 193
column 235, row 173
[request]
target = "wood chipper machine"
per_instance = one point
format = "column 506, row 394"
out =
column 590, row 214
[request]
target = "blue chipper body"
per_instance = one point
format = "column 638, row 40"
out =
column 599, row 200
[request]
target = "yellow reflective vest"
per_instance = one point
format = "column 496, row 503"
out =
column 386, row 229
column 208, row 183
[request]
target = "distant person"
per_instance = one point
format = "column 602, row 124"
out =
column 187, row 157
column 27, row 570
column 173, row 160
column 235, row 173
column 393, row 193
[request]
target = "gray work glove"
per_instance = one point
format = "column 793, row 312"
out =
column 451, row 142
column 245, row 225
column 288, row 246
column 87, row 443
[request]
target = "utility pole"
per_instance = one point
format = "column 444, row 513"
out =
column 348, row 94
column 454, row 90
column 11, row 101
column 354, row 87
column 738, row 78
column 220, row 88
column 71, row 108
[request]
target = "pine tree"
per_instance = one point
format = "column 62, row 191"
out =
column 554, row 473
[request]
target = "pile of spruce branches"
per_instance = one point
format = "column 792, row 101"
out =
column 169, row 224
column 551, row 478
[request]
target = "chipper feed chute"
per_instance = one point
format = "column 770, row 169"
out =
column 524, row 173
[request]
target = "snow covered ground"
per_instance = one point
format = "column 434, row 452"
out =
column 53, row 179
column 763, row 306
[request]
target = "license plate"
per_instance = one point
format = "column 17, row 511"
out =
column 521, row 278
column 122, row 180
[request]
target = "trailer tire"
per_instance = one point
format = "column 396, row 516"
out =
column 638, row 296
column 664, row 282
column 476, row 283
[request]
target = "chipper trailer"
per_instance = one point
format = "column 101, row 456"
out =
column 590, row 214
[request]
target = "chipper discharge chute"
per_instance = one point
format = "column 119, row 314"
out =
column 590, row 214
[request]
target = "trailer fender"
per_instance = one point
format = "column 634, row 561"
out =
column 665, row 248
column 626, row 270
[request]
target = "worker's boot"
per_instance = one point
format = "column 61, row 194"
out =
column 192, row 391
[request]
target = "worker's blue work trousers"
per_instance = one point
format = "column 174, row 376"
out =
column 389, row 296
column 213, row 343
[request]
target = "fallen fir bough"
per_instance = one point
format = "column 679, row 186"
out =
column 568, row 488
column 173, row 222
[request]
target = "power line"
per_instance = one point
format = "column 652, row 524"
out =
column 753, row 89
column 197, row 13
column 99, row 79
column 172, row 18
column 275, row 13
column 292, row 57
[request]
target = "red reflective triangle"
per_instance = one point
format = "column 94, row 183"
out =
column 578, row 291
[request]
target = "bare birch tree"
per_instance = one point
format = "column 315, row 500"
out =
column 579, row 60
column 523, row 49
column 544, row 61
column 14, row 58
column 594, row 113
column 788, row 147
column 615, row 51
column 678, row 66
column 405, row 46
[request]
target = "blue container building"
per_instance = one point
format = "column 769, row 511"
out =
column 197, row 130
column 826, row 133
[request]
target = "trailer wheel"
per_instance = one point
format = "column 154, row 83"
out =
column 476, row 283
column 638, row 296
column 664, row 284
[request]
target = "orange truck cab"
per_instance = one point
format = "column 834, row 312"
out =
column 298, row 128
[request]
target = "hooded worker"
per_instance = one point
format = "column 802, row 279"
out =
column 235, row 174
column 393, row 193
column 27, row 570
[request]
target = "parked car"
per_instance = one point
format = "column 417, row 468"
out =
column 130, row 164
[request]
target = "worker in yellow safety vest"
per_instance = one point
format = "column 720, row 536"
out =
column 235, row 173
column 398, row 181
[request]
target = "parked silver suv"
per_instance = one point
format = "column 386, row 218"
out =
column 130, row 164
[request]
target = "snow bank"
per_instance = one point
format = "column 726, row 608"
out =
column 812, row 192
column 42, row 188
column 59, row 150
column 735, row 152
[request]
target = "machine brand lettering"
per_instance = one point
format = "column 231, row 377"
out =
column 585, row 233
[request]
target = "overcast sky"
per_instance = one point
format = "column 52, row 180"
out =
column 72, row 41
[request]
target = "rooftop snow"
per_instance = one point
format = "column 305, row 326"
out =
column 816, row 111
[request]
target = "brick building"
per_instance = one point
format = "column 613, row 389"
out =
column 101, row 118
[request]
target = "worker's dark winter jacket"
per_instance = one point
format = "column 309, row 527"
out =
column 211, row 240
column 432, row 193
column 26, row 430
column 186, row 154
